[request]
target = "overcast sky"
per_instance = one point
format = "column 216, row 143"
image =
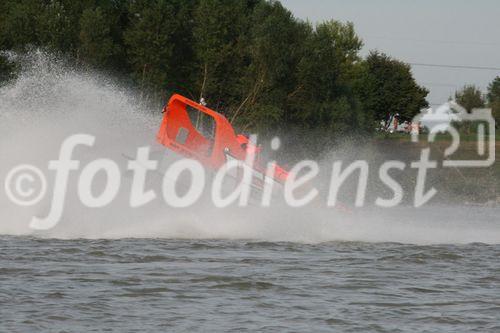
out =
column 450, row 32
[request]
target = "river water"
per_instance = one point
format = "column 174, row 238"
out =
column 159, row 285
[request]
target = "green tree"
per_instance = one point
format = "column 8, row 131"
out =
column 18, row 24
column 149, row 41
column 275, row 47
column 386, row 86
column 54, row 28
column 494, row 90
column 96, row 44
column 183, row 77
column 494, row 99
column 220, row 46
column 326, row 101
column 470, row 97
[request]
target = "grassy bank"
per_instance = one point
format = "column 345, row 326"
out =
column 441, row 137
column 454, row 185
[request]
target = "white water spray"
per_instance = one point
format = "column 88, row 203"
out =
column 50, row 101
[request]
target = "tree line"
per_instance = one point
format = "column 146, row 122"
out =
column 251, row 60
column 471, row 97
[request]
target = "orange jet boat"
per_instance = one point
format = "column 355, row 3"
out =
column 194, row 131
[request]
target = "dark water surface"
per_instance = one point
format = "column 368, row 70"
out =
column 148, row 285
